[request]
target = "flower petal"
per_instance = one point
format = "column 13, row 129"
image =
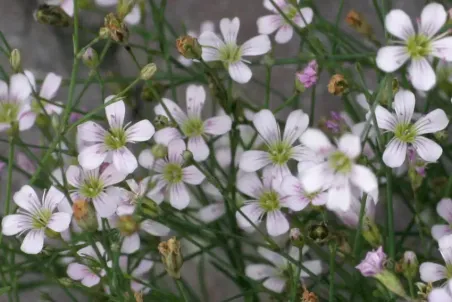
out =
column 131, row 244
column 111, row 176
column 27, row 199
column 284, row 34
column 166, row 135
column 315, row 140
column 296, row 124
column 399, row 24
column 391, row 58
column 91, row 280
column 146, row 159
column 209, row 39
column 404, row 103
column 140, row 132
column 19, row 88
column 266, row 125
column 276, row 259
column 68, row 7
column 74, row 176
column 339, row 197
column 115, row 112
column 444, row 209
column 59, row 222
column 427, row 149
column 212, row 212
column 439, row 295
column 260, row 271
column 173, row 109
column 256, row 46
column 15, row 223
column 421, row 74
column 178, row 196
column 192, row 175
column 364, row 178
column 92, row 157
column 124, row 160
column 433, row 17
column 218, row 125
column 175, row 150
column 197, row 145
column 350, row 145
column 442, row 48
column 314, row 266
column 432, row 122
column 440, row 230
column 50, row 85
column 253, row 212
column 315, row 178
column 250, row 184
column 267, row 25
column 395, row 153
column 240, row 72
column 275, row 284
column 385, row 119
column 196, row 96
column 431, row 272
column 134, row 17
column 33, row 242
column 91, row 132
column 27, row 118
column 230, row 29
column 154, row 228
column 305, row 17
column 277, row 223
column 105, row 204
column 251, row 161
column 77, row 271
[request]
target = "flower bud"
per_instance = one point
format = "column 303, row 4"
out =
column 296, row 238
column 187, row 155
column 117, row 30
column 371, row 232
column 391, row 282
column 150, row 207
column 90, row 58
column 318, row 232
column 161, row 121
column 338, row 85
column 359, row 23
column 85, row 215
column 66, row 282
column 159, row 151
column 189, row 47
column 15, row 61
column 171, row 257
column 148, row 71
column 410, row 265
column 307, row 77
column 52, row 15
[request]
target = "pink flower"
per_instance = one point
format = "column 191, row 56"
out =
column 373, row 263
column 308, row 77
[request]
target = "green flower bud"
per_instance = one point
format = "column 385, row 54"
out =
column 85, row 215
column 90, row 58
column 371, row 232
column 410, row 265
column 66, row 282
column 150, row 207
column 189, row 47
column 15, row 61
column 171, row 257
column 391, row 282
column 187, row 155
column 148, row 71
column 52, row 15
column 296, row 237
column 318, row 232
column 161, row 121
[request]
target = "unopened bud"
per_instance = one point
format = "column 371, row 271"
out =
column 338, row 85
column 371, row 232
column 318, row 232
column 161, row 121
column 66, row 282
column 359, row 23
column 90, row 58
column 189, row 47
column 52, row 15
column 15, row 61
column 171, row 257
column 117, row 30
column 159, row 151
column 150, row 207
column 148, row 71
column 127, row 225
column 85, row 215
column 187, row 155
column 410, row 265
column 391, row 282
column 296, row 237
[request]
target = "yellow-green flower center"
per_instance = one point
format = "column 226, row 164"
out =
column 418, row 46
column 340, row 162
column 91, row 187
column 116, row 138
column 269, row 201
column 291, row 12
column 173, row 173
column 230, row 53
column 280, row 153
column 193, row 127
column 405, row 132
column 41, row 218
column 8, row 112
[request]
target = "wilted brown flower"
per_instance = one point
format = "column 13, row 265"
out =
column 338, row 85
column 189, row 47
column 171, row 257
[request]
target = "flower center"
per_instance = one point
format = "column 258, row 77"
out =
column 116, row 138
column 230, row 53
column 41, row 218
column 291, row 12
column 340, row 162
column 418, row 46
column 193, row 127
column 280, row 153
column 8, row 112
column 405, row 132
column 173, row 173
column 269, row 201
column 92, row 187
column 127, row 225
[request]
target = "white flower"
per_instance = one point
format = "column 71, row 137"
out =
column 129, row 199
column 113, row 143
column 444, row 209
column 191, row 124
column 276, row 22
column 277, row 274
column 132, row 18
column 266, row 200
column 48, row 91
column 280, row 150
column 338, row 171
column 231, row 54
column 406, row 133
column 172, row 176
column 66, row 5
column 90, row 274
column 205, row 26
column 432, row 272
column 443, row 294
column 35, row 217
column 97, row 187
column 138, row 272
column 416, row 46
column 15, row 103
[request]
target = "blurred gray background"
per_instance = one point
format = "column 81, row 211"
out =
column 47, row 49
